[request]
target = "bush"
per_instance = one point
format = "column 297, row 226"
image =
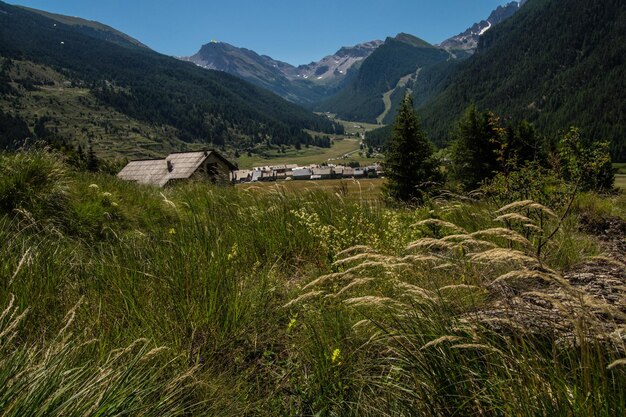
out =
column 35, row 184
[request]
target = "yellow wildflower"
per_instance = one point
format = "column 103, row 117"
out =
column 292, row 324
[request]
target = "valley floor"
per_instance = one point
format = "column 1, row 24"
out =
column 365, row 190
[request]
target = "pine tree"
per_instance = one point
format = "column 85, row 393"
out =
column 476, row 148
column 409, row 164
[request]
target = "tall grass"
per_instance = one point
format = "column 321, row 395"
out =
column 65, row 376
column 197, row 300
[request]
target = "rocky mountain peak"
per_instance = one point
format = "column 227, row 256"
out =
column 467, row 41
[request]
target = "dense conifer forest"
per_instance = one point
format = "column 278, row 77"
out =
column 554, row 63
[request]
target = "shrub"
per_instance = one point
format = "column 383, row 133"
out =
column 34, row 183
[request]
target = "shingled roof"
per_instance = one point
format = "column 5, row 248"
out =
column 181, row 165
column 147, row 171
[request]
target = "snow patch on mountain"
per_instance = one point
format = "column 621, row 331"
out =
column 468, row 40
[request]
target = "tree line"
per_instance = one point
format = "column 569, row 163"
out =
column 499, row 157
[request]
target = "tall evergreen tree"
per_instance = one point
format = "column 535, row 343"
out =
column 409, row 164
column 476, row 148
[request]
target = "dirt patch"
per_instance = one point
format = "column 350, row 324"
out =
column 593, row 293
column 610, row 231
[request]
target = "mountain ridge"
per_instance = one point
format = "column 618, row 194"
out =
column 200, row 106
column 369, row 94
column 467, row 42
column 108, row 33
column 304, row 84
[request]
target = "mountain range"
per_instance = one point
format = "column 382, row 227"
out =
column 555, row 63
column 361, row 83
column 305, row 84
column 83, row 81
column 467, row 41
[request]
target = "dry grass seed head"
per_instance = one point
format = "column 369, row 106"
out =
column 477, row 346
column 429, row 243
column 446, row 266
column 501, row 232
column 361, row 257
column 441, row 223
column 70, row 316
column 604, row 308
column 516, row 205
column 304, row 297
column 414, row 290
column 528, row 274
column 361, row 323
column 477, row 243
column 502, row 255
column 24, row 258
column 608, row 260
column 13, row 323
column 153, row 353
column 420, row 258
column 541, row 207
column 534, row 227
column 8, row 308
column 359, row 282
column 615, row 364
column 442, row 339
column 115, row 354
column 566, row 309
column 366, row 265
column 460, row 287
column 513, row 217
column 357, row 248
column 373, row 301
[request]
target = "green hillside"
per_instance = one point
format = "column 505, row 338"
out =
column 92, row 28
column 555, row 63
column 160, row 93
column 362, row 98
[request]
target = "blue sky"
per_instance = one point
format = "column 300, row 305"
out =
column 297, row 32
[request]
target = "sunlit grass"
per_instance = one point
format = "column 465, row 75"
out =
column 282, row 299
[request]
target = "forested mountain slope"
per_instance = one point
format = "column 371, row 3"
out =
column 156, row 90
column 388, row 70
column 555, row 63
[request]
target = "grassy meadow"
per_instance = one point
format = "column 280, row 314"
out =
column 306, row 156
column 363, row 190
column 354, row 127
column 299, row 300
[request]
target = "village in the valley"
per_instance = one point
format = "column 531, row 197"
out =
column 308, row 172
